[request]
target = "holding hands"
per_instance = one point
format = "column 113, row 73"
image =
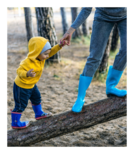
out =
column 67, row 36
column 63, row 43
column 65, row 40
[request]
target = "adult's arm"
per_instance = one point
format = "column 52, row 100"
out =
column 82, row 16
column 85, row 12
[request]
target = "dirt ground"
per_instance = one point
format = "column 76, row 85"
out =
column 58, row 86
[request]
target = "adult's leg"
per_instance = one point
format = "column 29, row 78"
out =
column 115, row 72
column 121, row 57
column 100, row 34
column 99, row 38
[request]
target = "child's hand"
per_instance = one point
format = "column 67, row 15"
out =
column 30, row 73
column 63, row 43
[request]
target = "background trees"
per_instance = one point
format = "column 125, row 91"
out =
column 64, row 20
column 28, row 22
column 46, row 28
column 74, row 12
column 85, row 29
column 115, row 38
column 59, row 82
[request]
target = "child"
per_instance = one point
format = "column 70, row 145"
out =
column 28, row 74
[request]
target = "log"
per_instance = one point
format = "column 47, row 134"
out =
column 67, row 122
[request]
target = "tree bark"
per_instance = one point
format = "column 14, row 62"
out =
column 28, row 23
column 74, row 12
column 64, row 20
column 84, row 28
column 67, row 122
column 46, row 28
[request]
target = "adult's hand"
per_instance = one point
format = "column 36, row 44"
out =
column 67, row 36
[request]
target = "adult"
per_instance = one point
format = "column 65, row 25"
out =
column 104, row 20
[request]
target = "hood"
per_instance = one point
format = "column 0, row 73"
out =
column 35, row 47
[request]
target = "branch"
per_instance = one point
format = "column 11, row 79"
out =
column 67, row 122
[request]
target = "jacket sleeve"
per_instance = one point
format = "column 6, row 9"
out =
column 54, row 50
column 82, row 16
column 21, row 72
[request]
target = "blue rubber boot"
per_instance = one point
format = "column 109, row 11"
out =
column 16, row 123
column 112, row 80
column 39, row 113
column 84, row 83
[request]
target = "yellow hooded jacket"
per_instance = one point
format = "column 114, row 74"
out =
column 35, row 47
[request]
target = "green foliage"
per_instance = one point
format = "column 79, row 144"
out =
column 113, row 54
column 55, row 76
column 100, row 76
column 85, row 40
column 76, row 89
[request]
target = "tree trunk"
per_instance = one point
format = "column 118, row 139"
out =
column 104, row 63
column 115, row 38
column 64, row 20
column 77, row 33
column 28, row 23
column 67, row 122
column 84, row 28
column 46, row 28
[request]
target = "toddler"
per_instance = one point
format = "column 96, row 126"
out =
column 28, row 74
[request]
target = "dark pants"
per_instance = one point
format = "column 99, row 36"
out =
column 100, row 34
column 21, row 97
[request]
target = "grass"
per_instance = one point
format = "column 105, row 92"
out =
column 113, row 54
column 100, row 76
column 85, row 40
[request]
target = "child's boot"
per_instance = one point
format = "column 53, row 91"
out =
column 39, row 114
column 84, row 83
column 112, row 80
column 16, row 123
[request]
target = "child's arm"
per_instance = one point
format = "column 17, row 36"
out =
column 21, row 72
column 56, row 48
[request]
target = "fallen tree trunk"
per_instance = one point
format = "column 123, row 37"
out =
column 67, row 122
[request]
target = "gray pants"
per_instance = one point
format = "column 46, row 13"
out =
column 100, row 34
